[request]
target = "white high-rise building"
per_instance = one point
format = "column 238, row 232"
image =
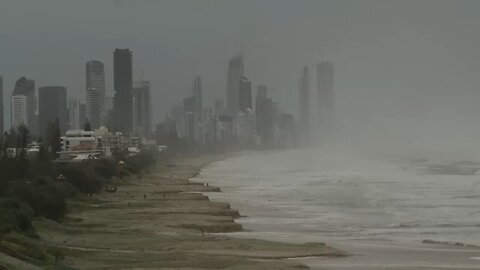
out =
column 24, row 104
column 19, row 110
column 95, row 92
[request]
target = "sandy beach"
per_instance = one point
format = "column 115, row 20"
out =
column 162, row 220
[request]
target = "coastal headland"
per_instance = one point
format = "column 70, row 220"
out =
column 161, row 220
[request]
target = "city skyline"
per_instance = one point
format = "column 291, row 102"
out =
column 368, row 56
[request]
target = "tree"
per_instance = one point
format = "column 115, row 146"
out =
column 11, row 138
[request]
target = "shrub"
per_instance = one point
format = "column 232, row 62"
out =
column 104, row 168
column 15, row 216
column 43, row 196
column 82, row 177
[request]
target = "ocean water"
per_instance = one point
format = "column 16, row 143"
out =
column 305, row 195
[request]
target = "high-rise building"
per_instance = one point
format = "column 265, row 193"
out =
column 244, row 95
column 108, row 118
column 235, row 73
column 92, row 108
column 304, row 101
column 193, row 108
column 197, row 93
column 142, row 125
column 189, row 126
column 73, row 113
column 19, row 110
column 198, row 108
column 122, row 84
column 263, row 125
column 24, row 103
column 52, row 106
column 2, row 123
column 82, row 111
column 95, row 92
column 325, row 94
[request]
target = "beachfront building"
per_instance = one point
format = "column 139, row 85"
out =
column 79, row 140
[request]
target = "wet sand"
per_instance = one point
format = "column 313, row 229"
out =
column 384, row 255
column 163, row 220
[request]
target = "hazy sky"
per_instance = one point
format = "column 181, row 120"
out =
column 408, row 67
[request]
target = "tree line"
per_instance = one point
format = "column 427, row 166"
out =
column 36, row 186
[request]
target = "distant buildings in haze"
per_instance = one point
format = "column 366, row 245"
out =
column 52, row 104
column 242, row 119
column 241, row 123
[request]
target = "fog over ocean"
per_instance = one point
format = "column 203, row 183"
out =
column 303, row 196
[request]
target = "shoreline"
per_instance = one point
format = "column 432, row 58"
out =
column 159, row 221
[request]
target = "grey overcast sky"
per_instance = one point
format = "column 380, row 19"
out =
column 400, row 66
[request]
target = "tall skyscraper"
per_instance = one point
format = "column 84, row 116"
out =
column 198, row 108
column 82, row 111
column 95, row 92
column 235, row 73
column 122, row 84
column 74, row 113
column 245, row 95
column 197, row 93
column 142, row 125
column 52, row 106
column 24, row 103
column 108, row 118
column 325, row 95
column 261, row 114
column 304, row 98
column 2, row 123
